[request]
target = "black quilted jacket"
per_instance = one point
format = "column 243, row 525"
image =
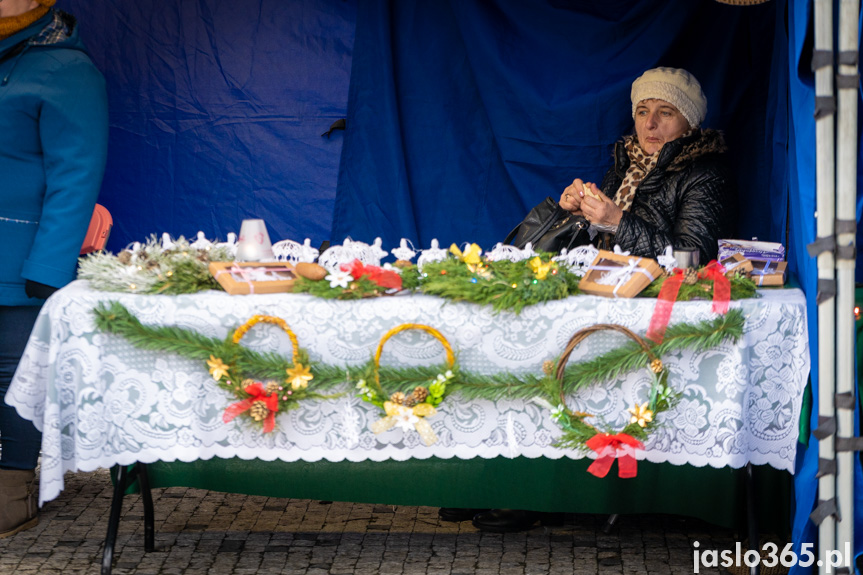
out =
column 685, row 201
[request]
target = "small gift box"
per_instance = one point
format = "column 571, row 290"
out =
column 618, row 275
column 736, row 262
column 253, row 277
column 766, row 273
column 752, row 250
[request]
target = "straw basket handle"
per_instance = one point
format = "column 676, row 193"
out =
column 582, row 334
column 450, row 356
column 271, row 319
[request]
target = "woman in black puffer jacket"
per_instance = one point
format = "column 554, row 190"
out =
column 669, row 185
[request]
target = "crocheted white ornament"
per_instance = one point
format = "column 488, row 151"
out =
column 295, row 252
column 511, row 253
column 667, row 260
column 403, row 252
column 433, row 254
column 577, row 260
column 230, row 244
column 202, row 243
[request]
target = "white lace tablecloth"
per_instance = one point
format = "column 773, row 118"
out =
column 99, row 401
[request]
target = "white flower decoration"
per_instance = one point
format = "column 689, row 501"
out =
column 339, row 278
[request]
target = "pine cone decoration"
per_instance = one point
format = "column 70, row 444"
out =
column 418, row 395
column 548, row 367
column 259, row 410
column 735, row 273
column 272, row 387
column 398, row 397
column 690, row 276
column 124, row 257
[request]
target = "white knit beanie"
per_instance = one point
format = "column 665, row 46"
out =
column 677, row 87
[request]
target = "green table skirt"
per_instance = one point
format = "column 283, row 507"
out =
column 714, row 495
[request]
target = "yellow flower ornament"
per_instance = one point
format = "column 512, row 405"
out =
column 299, row 376
column 218, row 369
column 640, row 414
column 407, row 418
column 540, row 268
column 470, row 256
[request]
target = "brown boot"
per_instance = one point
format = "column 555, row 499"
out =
column 17, row 501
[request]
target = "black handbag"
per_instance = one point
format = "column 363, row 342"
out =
column 550, row 228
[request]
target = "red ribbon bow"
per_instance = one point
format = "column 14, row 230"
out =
column 721, row 286
column 664, row 305
column 258, row 393
column 621, row 446
column 384, row 278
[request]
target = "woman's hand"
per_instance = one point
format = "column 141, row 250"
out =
column 570, row 199
column 598, row 208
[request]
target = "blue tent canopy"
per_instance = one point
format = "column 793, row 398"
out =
column 460, row 116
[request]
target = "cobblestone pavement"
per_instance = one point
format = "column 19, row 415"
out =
column 206, row 532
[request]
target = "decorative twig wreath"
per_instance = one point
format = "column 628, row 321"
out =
column 608, row 444
column 261, row 400
column 408, row 411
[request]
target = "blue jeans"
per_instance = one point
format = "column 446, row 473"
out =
column 19, row 439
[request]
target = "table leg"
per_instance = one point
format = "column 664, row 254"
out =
column 147, row 499
column 751, row 516
column 114, row 518
column 126, row 476
column 609, row 523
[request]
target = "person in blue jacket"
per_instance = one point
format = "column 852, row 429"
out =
column 53, row 146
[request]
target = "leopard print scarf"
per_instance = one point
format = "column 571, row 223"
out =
column 640, row 165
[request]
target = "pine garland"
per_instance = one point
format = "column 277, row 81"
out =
column 504, row 285
column 240, row 363
column 151, row 269
column 741, row 288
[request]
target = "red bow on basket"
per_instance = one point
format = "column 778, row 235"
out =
column 258, row 393
column 621, row 446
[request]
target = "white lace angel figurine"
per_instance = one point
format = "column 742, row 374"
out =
column 528, row 252
column 433, row 254
column 202, row 243
column 230, row 244
column 307, row 253
column 403, row 252
column 167, row 242
column 667, row 260
column 577, row 260
column 374, row 253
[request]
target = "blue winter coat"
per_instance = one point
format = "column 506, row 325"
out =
column 53, row 146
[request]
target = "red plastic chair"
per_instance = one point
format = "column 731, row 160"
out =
column 99, row 230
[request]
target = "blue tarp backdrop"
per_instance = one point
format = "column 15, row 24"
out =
column 461, row 115
column 216, row 113
column 464, row 115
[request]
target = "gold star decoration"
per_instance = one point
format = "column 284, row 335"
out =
column 640, row 414
column 299, row 377
column 218, row 369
